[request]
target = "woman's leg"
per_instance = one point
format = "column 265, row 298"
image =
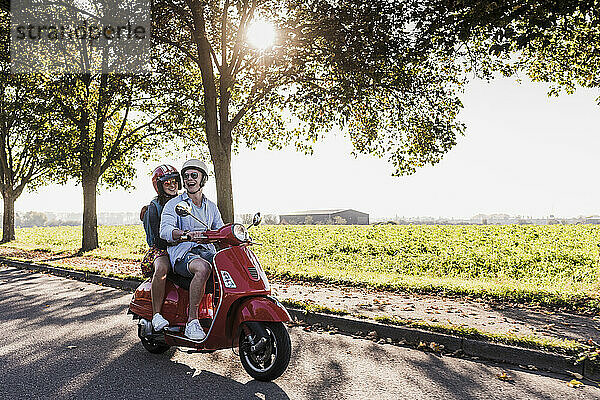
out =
column 159, row 280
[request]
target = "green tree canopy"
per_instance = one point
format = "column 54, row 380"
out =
column 28, row 145
column 551, row 41
column 353, row 64
column 106, row 119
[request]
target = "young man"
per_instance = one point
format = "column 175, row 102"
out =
column 191, row 259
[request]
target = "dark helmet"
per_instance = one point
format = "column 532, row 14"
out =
column 164, row 173
column 194, row 163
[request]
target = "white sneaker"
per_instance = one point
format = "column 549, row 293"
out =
column 194, row 331
column 159, row 323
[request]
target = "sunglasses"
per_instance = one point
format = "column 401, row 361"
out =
column 193, row 175
column 169, row 182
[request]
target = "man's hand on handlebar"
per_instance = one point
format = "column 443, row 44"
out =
column 179, row 235
column 195, row 236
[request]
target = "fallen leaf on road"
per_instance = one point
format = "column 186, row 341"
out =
column 503, row 376
column 372, row 335
column 436, row 347
column 574, row 383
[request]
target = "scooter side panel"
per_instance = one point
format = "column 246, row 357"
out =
column 141, row 304
column 175, row 305
column 236, row 261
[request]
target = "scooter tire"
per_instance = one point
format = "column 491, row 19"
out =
column 153, row 347
column 280, row 342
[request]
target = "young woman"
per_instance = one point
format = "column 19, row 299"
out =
column 166, row 182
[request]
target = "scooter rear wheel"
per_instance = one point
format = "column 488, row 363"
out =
column 270, row 362
column 153, row 347
column 150, row 345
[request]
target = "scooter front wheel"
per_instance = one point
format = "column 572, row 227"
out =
column 272, row 359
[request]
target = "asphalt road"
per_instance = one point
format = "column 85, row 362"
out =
column 67, row 339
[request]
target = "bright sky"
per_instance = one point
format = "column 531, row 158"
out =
column 523, row 154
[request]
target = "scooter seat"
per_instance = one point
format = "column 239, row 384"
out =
column 181, row 281
column 184, row 282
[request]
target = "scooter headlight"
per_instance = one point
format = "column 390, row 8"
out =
column 240, row 232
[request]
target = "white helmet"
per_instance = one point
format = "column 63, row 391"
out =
column 194, row 163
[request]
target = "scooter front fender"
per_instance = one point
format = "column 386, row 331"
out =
column 260, row 309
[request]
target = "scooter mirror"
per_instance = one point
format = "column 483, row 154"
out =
column 183, row 209
column 256, row 220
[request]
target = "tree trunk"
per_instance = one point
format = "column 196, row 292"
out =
column 222, row 166
column 8, row 220
column 90, row 220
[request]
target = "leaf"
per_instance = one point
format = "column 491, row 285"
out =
column 436, row 347
column 574, row 383
column 503, row 376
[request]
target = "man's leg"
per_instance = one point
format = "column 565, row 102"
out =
column 201, row 270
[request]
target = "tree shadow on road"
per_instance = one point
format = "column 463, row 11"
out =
column 75, row 340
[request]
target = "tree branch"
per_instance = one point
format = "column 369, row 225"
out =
column 236, row 56
column 116, row 143
column 117, row 140
column 181, row 12
column 250, row 104
column 180, row 47
column 224, row 35
column 135, row 142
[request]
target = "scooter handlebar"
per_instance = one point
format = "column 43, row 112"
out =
column 224, row 234
column 188, row 238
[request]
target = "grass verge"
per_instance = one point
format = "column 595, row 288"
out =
column 561, row 346
column 552, row 266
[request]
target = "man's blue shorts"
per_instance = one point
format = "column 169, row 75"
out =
column 181, row 267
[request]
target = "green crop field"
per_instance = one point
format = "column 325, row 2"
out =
column 553, row 265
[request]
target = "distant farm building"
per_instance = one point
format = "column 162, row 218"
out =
column 594, row 219
column 325, row 217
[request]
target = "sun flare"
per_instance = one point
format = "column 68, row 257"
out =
column 260, row 34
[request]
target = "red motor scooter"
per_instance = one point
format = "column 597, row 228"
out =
column 237, row 308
